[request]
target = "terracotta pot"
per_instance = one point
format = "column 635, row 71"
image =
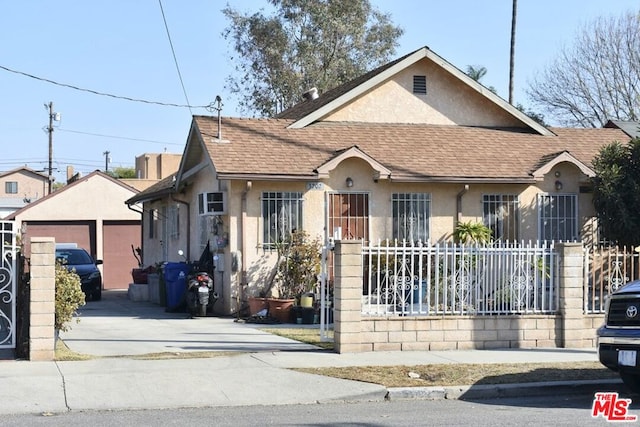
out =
column 256, row 305
column 280, row 309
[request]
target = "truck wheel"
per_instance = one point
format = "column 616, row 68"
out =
column 632, row 381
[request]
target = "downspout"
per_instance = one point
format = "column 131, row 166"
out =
column 243, row 234
column 188, row 224
column 141, row 212
column 459, row 202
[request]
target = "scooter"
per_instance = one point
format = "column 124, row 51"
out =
column 200, row 295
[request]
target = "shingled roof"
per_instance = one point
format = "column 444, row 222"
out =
column 270, row 149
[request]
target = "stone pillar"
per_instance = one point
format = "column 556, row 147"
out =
column 43, row 296
column 347, row 296
column 571, row 289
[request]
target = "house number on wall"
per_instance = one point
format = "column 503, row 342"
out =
column 315, row 185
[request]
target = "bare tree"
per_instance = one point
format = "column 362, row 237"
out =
column 597, row 79
column 304, row 44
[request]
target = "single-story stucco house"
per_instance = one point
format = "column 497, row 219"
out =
column 402, row 152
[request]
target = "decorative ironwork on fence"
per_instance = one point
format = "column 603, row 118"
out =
column 404, row 278
column 607, row 268
column 8, row 252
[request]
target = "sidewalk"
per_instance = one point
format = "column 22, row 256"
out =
column 254, row 373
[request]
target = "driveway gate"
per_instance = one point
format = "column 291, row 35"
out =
column 8, row 285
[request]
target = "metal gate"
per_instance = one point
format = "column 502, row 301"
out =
column 8, row 285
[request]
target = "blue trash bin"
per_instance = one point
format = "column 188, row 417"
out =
column 175, row 277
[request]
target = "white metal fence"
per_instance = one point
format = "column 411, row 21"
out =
column 8, row 286
column 607, row 268
column 447, row 279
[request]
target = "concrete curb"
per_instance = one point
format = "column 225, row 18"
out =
column 490, row 391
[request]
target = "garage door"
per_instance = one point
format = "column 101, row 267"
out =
column 117, row 253
column 81, row 232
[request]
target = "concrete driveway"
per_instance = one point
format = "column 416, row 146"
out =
column 117, row 326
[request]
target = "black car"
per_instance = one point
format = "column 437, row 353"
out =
column 619, row 337
column 78, row 260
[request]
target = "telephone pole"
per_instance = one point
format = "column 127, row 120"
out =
column 106, row 160
column 50, row 132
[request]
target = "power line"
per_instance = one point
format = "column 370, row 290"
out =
column 95, row 92
column 175, row 60
column 119, row 137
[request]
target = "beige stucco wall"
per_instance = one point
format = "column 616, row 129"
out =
column 448, row 102
column 157, row 165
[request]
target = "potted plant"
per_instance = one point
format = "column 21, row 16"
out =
column 69, row 297
column 297, row 273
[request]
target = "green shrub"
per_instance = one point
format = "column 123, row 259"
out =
column 69, row 296
column 472, row 233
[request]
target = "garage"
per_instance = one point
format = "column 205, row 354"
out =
column 105, row 227
column 117, row 238
column 117, row 254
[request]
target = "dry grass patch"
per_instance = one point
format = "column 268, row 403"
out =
column 63, row 353
column 305, row 335
column 467, row 374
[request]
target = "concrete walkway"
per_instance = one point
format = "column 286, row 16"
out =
column 257, row 375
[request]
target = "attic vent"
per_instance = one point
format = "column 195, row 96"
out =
column 420, row 85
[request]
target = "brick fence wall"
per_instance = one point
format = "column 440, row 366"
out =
column 43, row 294
column 570, row 327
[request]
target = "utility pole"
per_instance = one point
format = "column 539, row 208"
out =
column 50, row 132
column 512, row 53
column 106, row 161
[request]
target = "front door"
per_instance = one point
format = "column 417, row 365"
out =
column 348, row 216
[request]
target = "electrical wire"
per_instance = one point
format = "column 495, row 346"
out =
column 95, row 92
column 175, row 59
column 118, row 137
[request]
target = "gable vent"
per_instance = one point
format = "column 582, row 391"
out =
column 420, row 85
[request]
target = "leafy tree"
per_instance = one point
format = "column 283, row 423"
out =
column 477, row 72
column 304, row 44
column 598, row 78
column 122, row 173
column 532, row 114
column 616, row 192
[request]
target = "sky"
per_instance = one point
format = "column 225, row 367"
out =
column 121, row 48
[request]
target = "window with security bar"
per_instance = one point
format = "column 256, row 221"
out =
column 411, row 213
column 281, row 215
column 558, row 216
column 501, row 213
